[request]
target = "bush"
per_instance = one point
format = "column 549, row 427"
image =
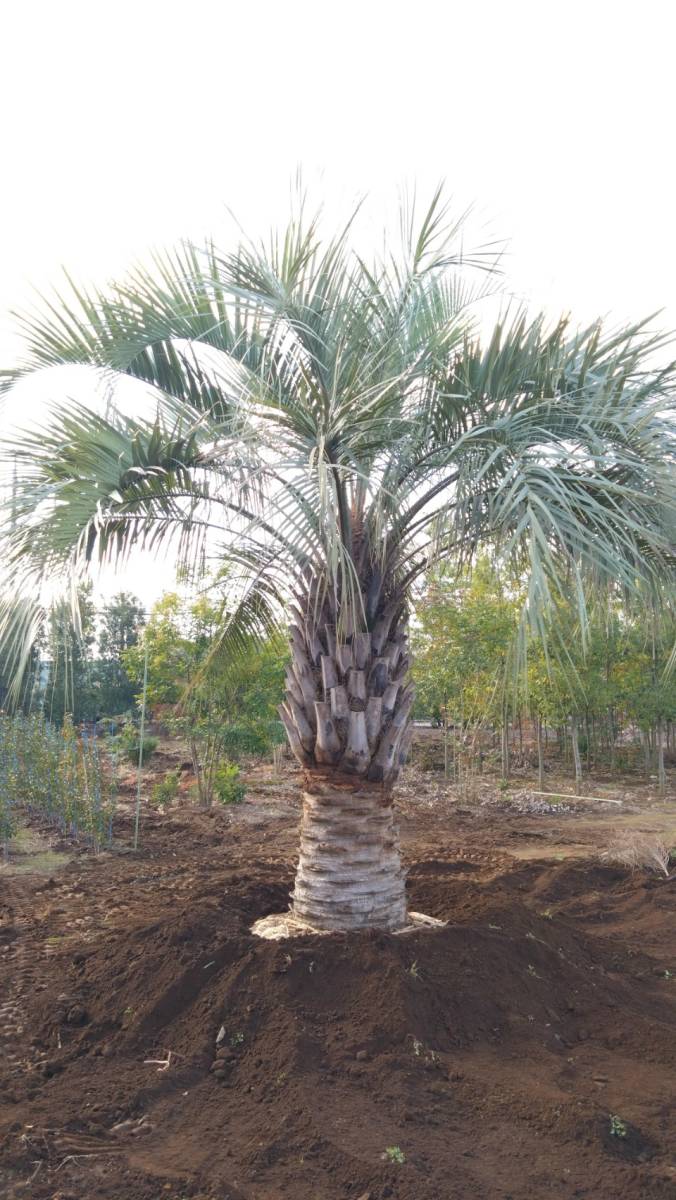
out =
column 226, row 783
column 130, row 744
column 165, row 790
column 639, row 852
column 57, row 774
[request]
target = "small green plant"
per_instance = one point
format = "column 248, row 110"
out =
column 394, row 1154
column 413, row 970
column 668, row 975
column 237, row 1039
column 618, row 1127
column 227, row 785
column 165, row 790
column 547, row 914
column 504, row 785
column 130, row 745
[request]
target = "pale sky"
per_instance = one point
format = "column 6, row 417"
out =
column 129, row 125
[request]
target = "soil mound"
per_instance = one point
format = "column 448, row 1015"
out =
column 506, row 1055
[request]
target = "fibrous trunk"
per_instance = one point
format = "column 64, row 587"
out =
column 347, row 718
column 349, row 873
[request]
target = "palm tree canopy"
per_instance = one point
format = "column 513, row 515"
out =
column 332, row 427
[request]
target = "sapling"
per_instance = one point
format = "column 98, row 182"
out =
column 394, row 1154
column 618, row 1127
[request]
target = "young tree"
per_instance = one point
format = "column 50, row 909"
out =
column 465, row 628
column 332, row 427
column 223, row 706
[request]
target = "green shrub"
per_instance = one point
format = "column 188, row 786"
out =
column 58, row 774
column 130, row 744
column 227, row 785
column 243, row 739
column 165, row 790
column 7, row 822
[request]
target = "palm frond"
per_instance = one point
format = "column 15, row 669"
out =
column 333, row 427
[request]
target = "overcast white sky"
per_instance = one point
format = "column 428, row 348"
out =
column 129, row 125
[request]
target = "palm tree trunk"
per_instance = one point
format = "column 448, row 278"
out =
column 349, row 872
column 347, row 718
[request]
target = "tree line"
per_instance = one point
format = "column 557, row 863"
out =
column 597, row 692
column 77, row 661
column 605, row 699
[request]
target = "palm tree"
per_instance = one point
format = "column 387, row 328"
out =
column 331, row 429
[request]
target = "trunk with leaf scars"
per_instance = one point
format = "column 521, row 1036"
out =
column 347, row 718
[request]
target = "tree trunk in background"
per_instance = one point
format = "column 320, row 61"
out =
column 646, row 752
column 661, row 772
column 576, row 755
column 347, row 718
column 505, row 747
column 541, row 760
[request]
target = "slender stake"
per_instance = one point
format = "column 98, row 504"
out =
column 140, row 748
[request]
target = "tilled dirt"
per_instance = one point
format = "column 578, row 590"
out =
column 153, row 1048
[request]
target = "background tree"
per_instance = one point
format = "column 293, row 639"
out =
column 224, row 707
column 332, row 427
column 645, row 687
column 120, row 622
column 462, row 638
column 70, row 687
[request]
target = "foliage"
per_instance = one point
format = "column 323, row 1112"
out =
column 121, row 621
column 130, row 745
column 71, row 671
column 223, row 706
column 320, row 418
column 57, row 774
column 394, row 1154
column 618, row 1127
column 461, row 641
column 70, row 687
column 227, row 786
column 589, row 685
column 165, row 791
column 7, row 817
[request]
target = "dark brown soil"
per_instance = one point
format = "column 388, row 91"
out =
column 155, row 1049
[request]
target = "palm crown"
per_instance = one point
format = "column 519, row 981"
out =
column 330, row 429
